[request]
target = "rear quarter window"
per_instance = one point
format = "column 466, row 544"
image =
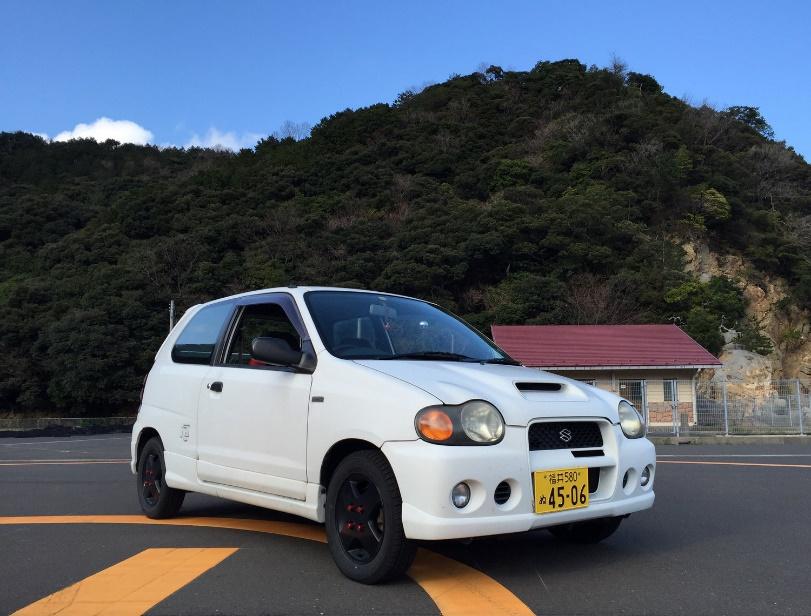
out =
column 196, row 343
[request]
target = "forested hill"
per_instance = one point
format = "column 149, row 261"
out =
column 557, row 195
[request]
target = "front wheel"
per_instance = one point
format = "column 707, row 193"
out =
column 364, row 520
column 157, row 499
column 590, row 531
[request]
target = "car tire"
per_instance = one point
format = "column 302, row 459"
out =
column 591, row 531
column 157, row 499
column 364, row 520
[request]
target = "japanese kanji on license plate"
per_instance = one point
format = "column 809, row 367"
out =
column 561, row 489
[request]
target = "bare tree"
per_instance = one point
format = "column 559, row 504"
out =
column 444, row 139
column 597, row 300
column 293, row 130
column 773, row 164
column 460, row 109
column 402, row 188
column 798, row 230
column 170, row 266
column 711, row 125
column 618, row 66
column 281, row 220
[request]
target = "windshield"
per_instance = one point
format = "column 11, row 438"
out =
column 374, row 326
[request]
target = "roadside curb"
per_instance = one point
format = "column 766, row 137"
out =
column 741, row 439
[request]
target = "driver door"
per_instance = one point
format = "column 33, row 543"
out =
column 252, row 416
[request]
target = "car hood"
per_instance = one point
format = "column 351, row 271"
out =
column 521, row 394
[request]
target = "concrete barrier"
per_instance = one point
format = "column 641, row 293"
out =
column 56, row 426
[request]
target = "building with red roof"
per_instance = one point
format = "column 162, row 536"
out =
column 653, row 366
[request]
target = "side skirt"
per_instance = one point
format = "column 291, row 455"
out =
column 181, row 473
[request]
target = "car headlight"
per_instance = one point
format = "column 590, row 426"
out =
column 473, row 423
column 631, row 422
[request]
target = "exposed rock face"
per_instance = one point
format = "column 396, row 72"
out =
column 762, row 297
column 747, row 374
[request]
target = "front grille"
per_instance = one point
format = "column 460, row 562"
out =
column 564, row 435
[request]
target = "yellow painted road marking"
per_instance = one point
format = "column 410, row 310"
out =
column 734, row 463
column 64, row 461
column 458, row 589
column 454, row 587
column 132, row 586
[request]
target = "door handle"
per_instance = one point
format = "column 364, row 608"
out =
column 215, row 386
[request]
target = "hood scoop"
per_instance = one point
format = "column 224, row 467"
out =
column 538, row 387
column 549, row 391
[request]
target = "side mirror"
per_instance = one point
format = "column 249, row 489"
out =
column 278, row 351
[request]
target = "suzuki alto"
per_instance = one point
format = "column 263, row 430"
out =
column 386, row 418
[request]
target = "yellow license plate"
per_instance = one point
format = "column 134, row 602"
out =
column 561, row 489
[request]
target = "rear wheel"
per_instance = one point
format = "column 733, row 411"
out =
column 364, row 520
column 590, row 531
column 157, row 499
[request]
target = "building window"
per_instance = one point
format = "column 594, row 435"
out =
column 670, row 391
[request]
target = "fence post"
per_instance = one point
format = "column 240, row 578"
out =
column 799, row 405
column 726, row 410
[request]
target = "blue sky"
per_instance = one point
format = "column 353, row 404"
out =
column 196, row 72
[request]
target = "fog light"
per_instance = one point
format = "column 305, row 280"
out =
column 625, row 478
column 460, row 495
column 644, row 478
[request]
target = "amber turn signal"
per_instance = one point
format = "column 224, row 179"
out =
column 435, row 425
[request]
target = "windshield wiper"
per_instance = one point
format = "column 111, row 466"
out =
column 501, row 360
column 430, row 355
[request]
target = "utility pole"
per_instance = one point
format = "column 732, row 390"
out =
column 171, row 314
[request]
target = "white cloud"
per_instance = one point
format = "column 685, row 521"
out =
column 217, row 139
column 123, row 131
column 43, row 135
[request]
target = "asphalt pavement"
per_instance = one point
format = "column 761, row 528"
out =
column 729, row 534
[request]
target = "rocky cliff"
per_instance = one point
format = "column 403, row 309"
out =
column 768, row 303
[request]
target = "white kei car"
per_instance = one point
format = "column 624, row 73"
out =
column 387, row 419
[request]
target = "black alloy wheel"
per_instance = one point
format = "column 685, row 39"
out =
column 364, row 519
column 151, row 479
column 360, row 519
column 157, row 499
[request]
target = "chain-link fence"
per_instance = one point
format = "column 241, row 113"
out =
column 735, row 408
column 679, row 407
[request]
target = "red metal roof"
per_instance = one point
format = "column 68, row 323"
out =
column 582, row 346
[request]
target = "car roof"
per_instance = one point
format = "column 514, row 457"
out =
column 299, row 291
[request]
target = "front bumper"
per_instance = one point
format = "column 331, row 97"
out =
column 426, row 473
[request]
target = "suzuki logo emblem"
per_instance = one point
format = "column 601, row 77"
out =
column 565, row 435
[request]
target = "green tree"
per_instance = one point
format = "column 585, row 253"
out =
column 752, row 117
column 496, row 194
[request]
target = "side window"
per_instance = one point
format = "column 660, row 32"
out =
column 197, row 340
column 260, row 320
